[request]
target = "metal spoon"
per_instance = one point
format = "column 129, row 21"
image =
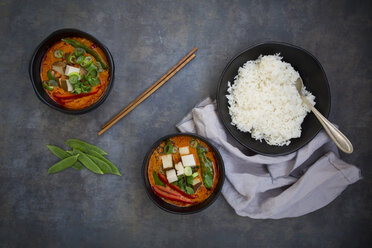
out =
column 339, row 138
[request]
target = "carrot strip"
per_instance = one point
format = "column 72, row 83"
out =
column 164, row 180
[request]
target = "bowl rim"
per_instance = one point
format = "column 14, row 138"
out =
column 219, row 107
column 109, row 58
column 217, row 190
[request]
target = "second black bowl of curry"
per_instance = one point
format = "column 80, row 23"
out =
column 199, row 206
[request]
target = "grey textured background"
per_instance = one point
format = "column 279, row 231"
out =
column 146, row 38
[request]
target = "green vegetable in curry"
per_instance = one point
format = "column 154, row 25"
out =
column 157, row 179
column 206, row 166
column 89, row 50
column 58, row 53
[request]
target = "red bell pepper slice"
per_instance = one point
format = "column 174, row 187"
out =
column 172, row 197
column 165, row 180
column 167, row 190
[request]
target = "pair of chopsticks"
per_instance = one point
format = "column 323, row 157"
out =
column 182, row 63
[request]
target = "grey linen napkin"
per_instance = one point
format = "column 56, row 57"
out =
column 273, row 187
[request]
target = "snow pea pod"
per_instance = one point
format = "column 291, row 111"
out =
column 62, row 154
column 63, row 164
column 87, row 162
column 83, row 146
column 114, row 170
column 89, row 50
column 105, row 168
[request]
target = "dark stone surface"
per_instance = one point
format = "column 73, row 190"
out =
column 79, row 209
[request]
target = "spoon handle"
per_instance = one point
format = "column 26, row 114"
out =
column 339, row 138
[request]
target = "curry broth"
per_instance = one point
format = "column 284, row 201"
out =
column 155, row 164
column 84, row 101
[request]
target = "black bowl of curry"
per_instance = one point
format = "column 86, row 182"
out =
column 71, row 71
column 183, row 173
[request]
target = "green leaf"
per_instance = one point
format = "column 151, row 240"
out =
column 62, row 154
column 157, row 179
column 114, row 169
column 105, row 168
column 189, row 180
column 77, row 166
column 63, row 164
column 83, row 146
column 189, row 190
column 206, row 166
column 87, row 162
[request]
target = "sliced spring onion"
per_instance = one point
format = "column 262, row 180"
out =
column 79, row 51
column 99, row 65
column 58, row 53
column 93, row 73
column 88, row 60
column 91, row 67
column 46, row 86
column 73, row 79
column 188, row 171
column 93, row 81
column 80, row 59
column 74, row 73
column 71, row 59
column 193, row 143
column 195, row 174
column 51, row 75
column 168, row 148
column 85, row 88
column 89, row 50
column 77, row 90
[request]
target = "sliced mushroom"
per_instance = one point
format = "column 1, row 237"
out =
column 196, row 187
column 59, row 67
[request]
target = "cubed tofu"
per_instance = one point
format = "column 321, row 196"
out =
column 69, row 86
column 167, row 161
column 171, row 175
column 184, row 150
column 65, row 84
column 70, row 69
column 188, row 160
column 179, row 169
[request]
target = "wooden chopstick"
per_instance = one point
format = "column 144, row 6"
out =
column 145, row 95
column 151, row 87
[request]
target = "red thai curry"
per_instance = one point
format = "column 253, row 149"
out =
column 75, row 73
column 183, row 171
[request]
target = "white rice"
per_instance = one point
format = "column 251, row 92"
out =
column 264, row 100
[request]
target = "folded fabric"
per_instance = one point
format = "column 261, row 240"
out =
column 273, row 187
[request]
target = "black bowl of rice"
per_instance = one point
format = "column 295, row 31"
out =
column 258, row 102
